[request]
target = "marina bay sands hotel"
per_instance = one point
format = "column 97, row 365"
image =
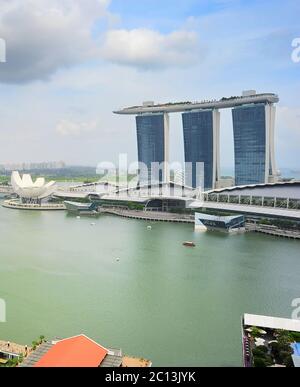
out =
column 253, row 127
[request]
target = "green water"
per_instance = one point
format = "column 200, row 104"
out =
column 171, row 304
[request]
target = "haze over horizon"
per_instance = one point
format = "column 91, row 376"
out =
column 71, row 63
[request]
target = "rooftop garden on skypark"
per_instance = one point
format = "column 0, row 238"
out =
column 223, row 99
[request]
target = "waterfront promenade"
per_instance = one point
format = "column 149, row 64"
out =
column 148, row 216
column 15, row 204
column 190, row 219
column 273, row 231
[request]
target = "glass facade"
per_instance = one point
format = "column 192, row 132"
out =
column 249, row 127
column 151, row 146
column 199, row 147
column 220, row 222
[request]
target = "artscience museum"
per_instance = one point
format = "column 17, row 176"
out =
column 31, row 194
column 29, row 191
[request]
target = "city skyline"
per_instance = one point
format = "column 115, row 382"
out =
column 61, row 107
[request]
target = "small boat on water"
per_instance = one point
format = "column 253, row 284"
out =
column 189, row 244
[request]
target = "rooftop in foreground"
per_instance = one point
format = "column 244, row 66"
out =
column 79, row 352
column 13, row 348
column 133, row 362
column 177, row 107
column 270, row 341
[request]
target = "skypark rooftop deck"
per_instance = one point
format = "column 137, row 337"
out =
column 177, row 107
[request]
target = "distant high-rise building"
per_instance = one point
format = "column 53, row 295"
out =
column 253, row 127
column 153, row 147
column 33, row 166
column 201, row 144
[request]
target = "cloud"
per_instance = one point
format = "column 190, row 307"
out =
column 288, row 135
column 43, row 36
column 289, row 120
column 73, row 128
column 149, row 49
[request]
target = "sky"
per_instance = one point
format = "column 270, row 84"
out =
column 70, row 63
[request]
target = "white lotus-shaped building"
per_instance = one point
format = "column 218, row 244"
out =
column 31, row 191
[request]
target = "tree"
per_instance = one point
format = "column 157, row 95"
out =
column 282, row 350
column 262, row 360
column 260, row 351
column 284, row 338
column 12, row 363
column 288, row 361
column 259, row 362
column 42, row 339
column 255, row 332
column 295, row 336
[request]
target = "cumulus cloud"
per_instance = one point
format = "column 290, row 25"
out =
column 144, row 48
column 43, row 36
column 73, row 128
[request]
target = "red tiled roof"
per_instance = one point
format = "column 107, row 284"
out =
column 78, row 351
